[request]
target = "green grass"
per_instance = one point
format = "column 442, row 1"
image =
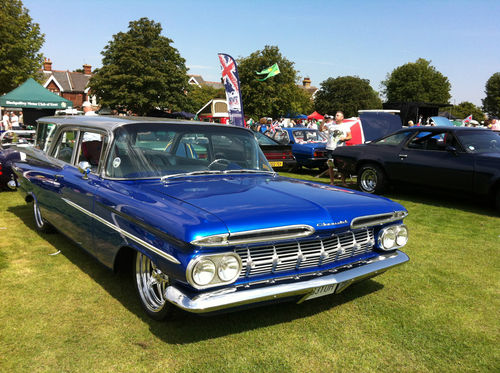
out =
column 439, row 312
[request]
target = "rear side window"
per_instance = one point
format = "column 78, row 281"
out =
column 395, row 139
column 44, row 135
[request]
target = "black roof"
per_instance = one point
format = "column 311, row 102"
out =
column 109, row 123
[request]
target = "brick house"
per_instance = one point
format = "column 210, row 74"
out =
column 69, row 84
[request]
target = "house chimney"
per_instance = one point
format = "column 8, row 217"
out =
column 87, row 69
column 306, row 82
column 47, row 65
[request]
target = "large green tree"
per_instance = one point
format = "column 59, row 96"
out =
column 276, row 96
column 20, row 43
column 464, row 109
column 346, row 93
column 417, row 82
column 491, row 103
column 141, row 70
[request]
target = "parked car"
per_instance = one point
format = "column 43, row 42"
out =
column 10, row 141
column 308, row 145
column 200, row 216
column 458, row 158
column 280, row 156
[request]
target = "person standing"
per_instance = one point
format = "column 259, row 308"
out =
column 338, row 133
column 5, row 121
column 14, row 120
column 87, row 109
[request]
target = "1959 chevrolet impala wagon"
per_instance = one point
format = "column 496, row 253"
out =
column 205, row 221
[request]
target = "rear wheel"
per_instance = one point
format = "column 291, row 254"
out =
column 151, row 284
column 41, row 224
column 371, row 179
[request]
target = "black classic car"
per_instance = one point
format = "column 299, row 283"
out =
column 199, row 215
column 458, row 158
column 10, row 142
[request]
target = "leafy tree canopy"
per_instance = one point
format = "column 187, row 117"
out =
column 417, row 82
column 20, row 42
column 199, row 96
column 464, row 109
column 491, row 103
column 141, row 70
column 348, row 94
column 276, row 96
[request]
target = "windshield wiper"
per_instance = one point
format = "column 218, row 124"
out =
column 216, row 172
column 193, row 173
column 248, row 171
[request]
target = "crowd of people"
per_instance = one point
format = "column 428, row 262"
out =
column 335, row 130
column 11, row 120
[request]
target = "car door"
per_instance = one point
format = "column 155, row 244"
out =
column 436, row 159
column 76, row 191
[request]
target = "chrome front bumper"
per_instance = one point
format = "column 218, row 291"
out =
column 231, row 297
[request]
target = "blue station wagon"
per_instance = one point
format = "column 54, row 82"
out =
column 202, row 218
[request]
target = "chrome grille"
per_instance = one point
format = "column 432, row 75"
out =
column 305, row 254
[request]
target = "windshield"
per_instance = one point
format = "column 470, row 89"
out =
column 304, row 136
column 149, row 150
column 479, row 141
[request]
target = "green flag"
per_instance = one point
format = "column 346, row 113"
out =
column 270, row 71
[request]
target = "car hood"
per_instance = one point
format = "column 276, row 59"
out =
column 245, row 203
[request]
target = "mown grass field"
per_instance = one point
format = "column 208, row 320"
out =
column 437, row 313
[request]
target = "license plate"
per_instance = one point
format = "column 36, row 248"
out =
column 321, row 291
column 276, row 164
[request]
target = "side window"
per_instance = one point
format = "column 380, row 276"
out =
column 392, row 139
column 65, row 145
column 91, row 146
column 428, row 141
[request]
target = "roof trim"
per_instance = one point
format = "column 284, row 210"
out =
column 53, row 78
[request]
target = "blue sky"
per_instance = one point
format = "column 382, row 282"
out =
column 323, row 38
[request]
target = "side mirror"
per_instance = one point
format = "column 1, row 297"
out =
column 84, row 168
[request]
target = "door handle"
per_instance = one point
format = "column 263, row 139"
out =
column 402, row 156
column 59, row 177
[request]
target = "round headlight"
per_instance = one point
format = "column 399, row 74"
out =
column 389, row 239
column 402, row 236
column 228, row 268
column 203, row 272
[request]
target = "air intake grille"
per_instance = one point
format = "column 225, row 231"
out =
column 305, row 254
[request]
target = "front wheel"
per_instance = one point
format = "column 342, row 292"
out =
column 151, row 284
column 371, row 179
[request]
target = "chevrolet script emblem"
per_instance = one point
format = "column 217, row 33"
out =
column 332, row 223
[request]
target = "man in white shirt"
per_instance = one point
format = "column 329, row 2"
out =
column 5, row 121
column 14, row 120
column 338, row 133
column 87, row 109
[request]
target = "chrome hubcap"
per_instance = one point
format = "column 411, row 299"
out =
column 38, row 215
column 369, row 180
column 151, row 282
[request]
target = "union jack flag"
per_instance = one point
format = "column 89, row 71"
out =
column 231, row 83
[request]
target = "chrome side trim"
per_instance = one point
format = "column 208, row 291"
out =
column 231, row 297
column 257, row 235
column 123, row 232
column 377, row 219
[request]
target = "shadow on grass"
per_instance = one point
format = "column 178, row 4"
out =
column 183, row 327
column 420, row 194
